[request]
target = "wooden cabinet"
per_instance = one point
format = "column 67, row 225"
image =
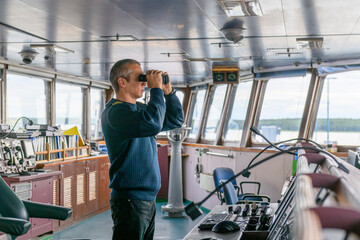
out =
column 83, row 186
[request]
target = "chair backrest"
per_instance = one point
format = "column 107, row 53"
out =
column 10, row 205
column 223, row 173
column 230, row 194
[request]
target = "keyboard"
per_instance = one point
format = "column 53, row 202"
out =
column 210, row 222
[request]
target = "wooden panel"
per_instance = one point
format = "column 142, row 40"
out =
column 67, row 194
column 80, row 189
column 164, row 171
column 66, row 186
column 92, row 169
column 42, row 192
column 92, row 186
column 103, row 182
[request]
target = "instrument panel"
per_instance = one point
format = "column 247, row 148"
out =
column 16, row 156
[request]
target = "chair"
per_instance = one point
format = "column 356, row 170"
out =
column 231, row 197
column 15, row 214
column 223, row 173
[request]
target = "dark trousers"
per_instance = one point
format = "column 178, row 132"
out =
column 133, row 219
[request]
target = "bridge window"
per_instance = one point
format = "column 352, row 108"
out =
column 195, row 113
column 234, row 127
column 97, row 106
column 282, row 109
column 216, row 104
column 338, row 118
column 26, row 96
column 69, row 106
column 180, row 95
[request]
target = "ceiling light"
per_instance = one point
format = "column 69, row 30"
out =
column 118, row 37
column 241, row 8
column 169, row 54
column 233, row 30
column 233, row 34
column 208, row 59
column 279, row 50
column 225, row 44
column 312, row 43
column 52, row 47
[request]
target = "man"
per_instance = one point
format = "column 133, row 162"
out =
column 130, row 130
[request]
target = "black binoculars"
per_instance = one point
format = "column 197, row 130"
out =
column 165, row 78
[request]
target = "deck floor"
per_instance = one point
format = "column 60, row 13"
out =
column 99, row 227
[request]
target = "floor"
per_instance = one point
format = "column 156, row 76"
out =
column 99, row 227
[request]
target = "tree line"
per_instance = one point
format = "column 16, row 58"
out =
column 293, row 124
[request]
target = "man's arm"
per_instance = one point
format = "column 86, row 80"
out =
column 174, row 116
column 141, row 122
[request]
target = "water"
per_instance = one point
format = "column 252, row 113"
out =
column 341, row 138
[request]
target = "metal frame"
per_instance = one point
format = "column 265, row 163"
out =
column 255, row 103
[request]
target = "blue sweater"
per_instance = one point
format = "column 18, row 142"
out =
column 129, row 131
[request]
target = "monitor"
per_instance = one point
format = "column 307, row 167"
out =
column 353, row 159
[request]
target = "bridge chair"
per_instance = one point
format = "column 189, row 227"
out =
column 223, row 173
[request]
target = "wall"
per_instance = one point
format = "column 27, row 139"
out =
column 271, row 174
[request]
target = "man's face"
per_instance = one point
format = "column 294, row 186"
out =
column 135, row 88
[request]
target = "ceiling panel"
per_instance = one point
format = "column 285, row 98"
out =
column 191, row 27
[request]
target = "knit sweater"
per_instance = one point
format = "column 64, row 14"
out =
column 130, row 134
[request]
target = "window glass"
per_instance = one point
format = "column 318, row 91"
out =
column 338, row 118
column 216, row 108
column 29, row 100
column 283, row 106
column 238, row 113
column 69, row 106
column 196, row 113
column 180, row 95
column 96, row 108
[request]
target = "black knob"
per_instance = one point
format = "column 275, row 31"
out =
column 18, row 148
column 9, row 163
column 7, row 149
column 21, row 161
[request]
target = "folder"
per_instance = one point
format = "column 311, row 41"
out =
column 75, row 131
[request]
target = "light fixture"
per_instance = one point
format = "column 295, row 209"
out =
column 169, row 54
column 52, row 47
column 225, row 44
column 120, row 38
column 233, row 30
column 279, row 50
column 208, row 59
column 241, row 8
column 312, row 43
column 28, row 55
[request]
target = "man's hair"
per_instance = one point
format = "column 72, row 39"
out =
column 121, row 69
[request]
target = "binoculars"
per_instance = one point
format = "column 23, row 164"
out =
column 165, row 78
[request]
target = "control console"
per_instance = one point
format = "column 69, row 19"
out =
column 16, row 156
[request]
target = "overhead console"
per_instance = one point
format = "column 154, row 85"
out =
column 225, row 74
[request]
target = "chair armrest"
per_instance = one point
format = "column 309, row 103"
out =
column 14, row 226
column 42, row 210
column 245, row 196
column 237, row 189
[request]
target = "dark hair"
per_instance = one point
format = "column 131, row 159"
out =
column 121, row 69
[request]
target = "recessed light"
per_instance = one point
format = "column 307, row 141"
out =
column 241, row 8
column 312, row 43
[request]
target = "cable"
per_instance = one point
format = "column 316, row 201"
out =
column 30, row 123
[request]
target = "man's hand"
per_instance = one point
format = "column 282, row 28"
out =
column 167, row 87
column 154, row 79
